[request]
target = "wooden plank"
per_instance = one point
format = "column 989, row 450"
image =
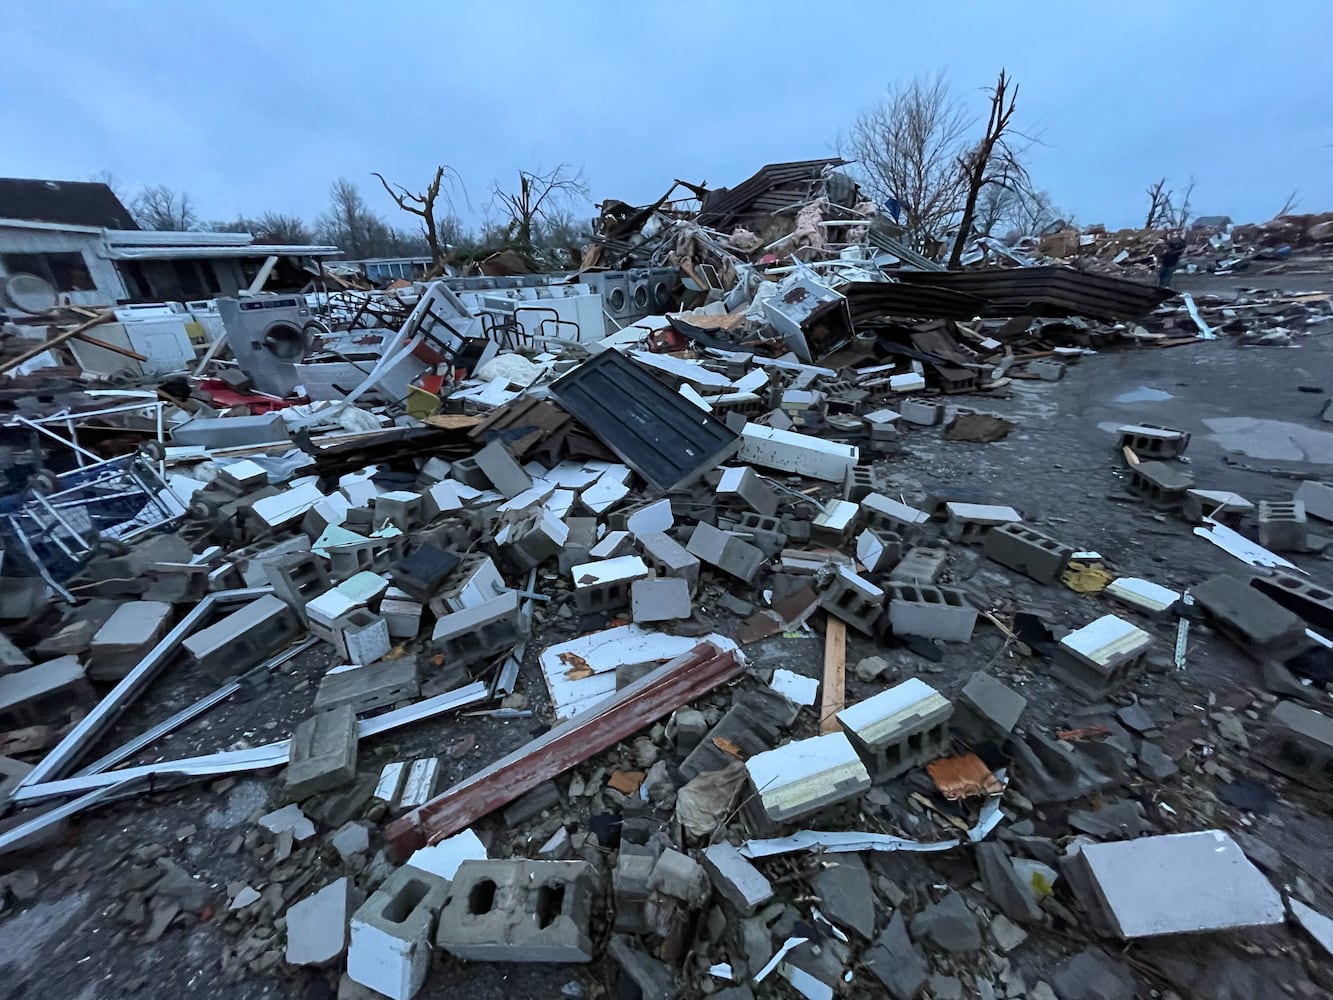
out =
column 835, row 674
column 124, row 352
column 625, row 713
column 57, row 340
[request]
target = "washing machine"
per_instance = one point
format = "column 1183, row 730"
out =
column 268, row 335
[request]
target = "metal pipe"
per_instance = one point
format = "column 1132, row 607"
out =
column 68, row 751
column 65, row 441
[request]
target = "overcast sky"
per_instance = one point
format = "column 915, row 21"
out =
column 252, row 107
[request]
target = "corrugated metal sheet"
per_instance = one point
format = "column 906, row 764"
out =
column 1047, row 291
column 879, row 300
column 774, row 187
column 656, row 432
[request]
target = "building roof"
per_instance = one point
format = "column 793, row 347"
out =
column 71, row 203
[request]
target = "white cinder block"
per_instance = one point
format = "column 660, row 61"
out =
column 656, row 516
column 288, row 505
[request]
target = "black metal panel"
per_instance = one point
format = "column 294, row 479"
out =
column 724, row 207
column 658, row 433
column 1049, row 291
column 870, row 301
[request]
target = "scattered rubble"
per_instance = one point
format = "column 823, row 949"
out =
column 603, row 588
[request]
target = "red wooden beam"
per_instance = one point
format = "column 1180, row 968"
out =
column 675, row 683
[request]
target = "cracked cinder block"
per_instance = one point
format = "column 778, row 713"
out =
column 726, row 552
column 369, row 687
column 660, row 600
column 391, row 933
column 322, row 753
column 898, row 729
column 929, row 611
column 1298, row 742
column 473, row 583
column 971, row 522
column 43, row 693
column 835, row 522
column 604, row 585
column 361, row 636
column 988, row 708
column 920, row 565
column 519, row 911
column 878, row 550
column 499, row 467
column 736, row 880
column 1027, row 551
column 529, row 542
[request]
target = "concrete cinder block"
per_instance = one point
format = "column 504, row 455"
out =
column 878, row 550
column 644, row 518
column 604, row 585
column 898, row 729
column 859, row 483
column 473, row 583
column 802, row 777
column 1298, row 742
column 133, row 629
column 726, row 552
column 681, row 877
column 891, row 515
column 736, row 880
column 468, row 472
column 404, row 509
column 285, row 506
column 741, row 487
column 988, row 708
column 1099, row 657
column 529, row 542
column 1311, row 602
column 12, row 773
column 929, row 611
column 474, row 634
column 322, row 754
column 369, row 687
column 296, row 579
column 1047, row 371
column 1152, row 441
column 43, row 693
column 1027, row 551
column 391, row 933
column 767, row 534
column 1257, row 622
column 362, row 637
column 243, row 638
column 403, row 616
column 370, row 555
column 835, row 522
column 661, row 600
column 519, row 911
column 317, row 926
column 971, row 522
column 498, row 466
column 1282, row 526
column 794, row 452
column 856, row 601
column 1160, row 485
column 920, row 412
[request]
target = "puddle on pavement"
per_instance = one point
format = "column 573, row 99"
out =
column 1275, row 440
column 1143, row 394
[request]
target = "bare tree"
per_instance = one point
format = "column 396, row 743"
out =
column 1160, row 210
column 160, row 207
column 281, row 228
column 1288, row 206
column 109, row 179
column 423, row 206
column 349, row 224
column 539, row 195
column 907, row 147
column 992, row 161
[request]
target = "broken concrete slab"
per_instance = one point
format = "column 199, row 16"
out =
column 1178, row 883
column 845, row 893
column 736, row 880
column 660, row 600
column 896, row 962
column 1005, row 888
column 1093, row 975
column 317, row 930
column 948, row 924
column 288, row 818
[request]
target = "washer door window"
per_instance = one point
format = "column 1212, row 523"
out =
column 285, row 341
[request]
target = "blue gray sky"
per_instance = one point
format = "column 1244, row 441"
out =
column 252, row 107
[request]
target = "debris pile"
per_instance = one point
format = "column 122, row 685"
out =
column 684, row 677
